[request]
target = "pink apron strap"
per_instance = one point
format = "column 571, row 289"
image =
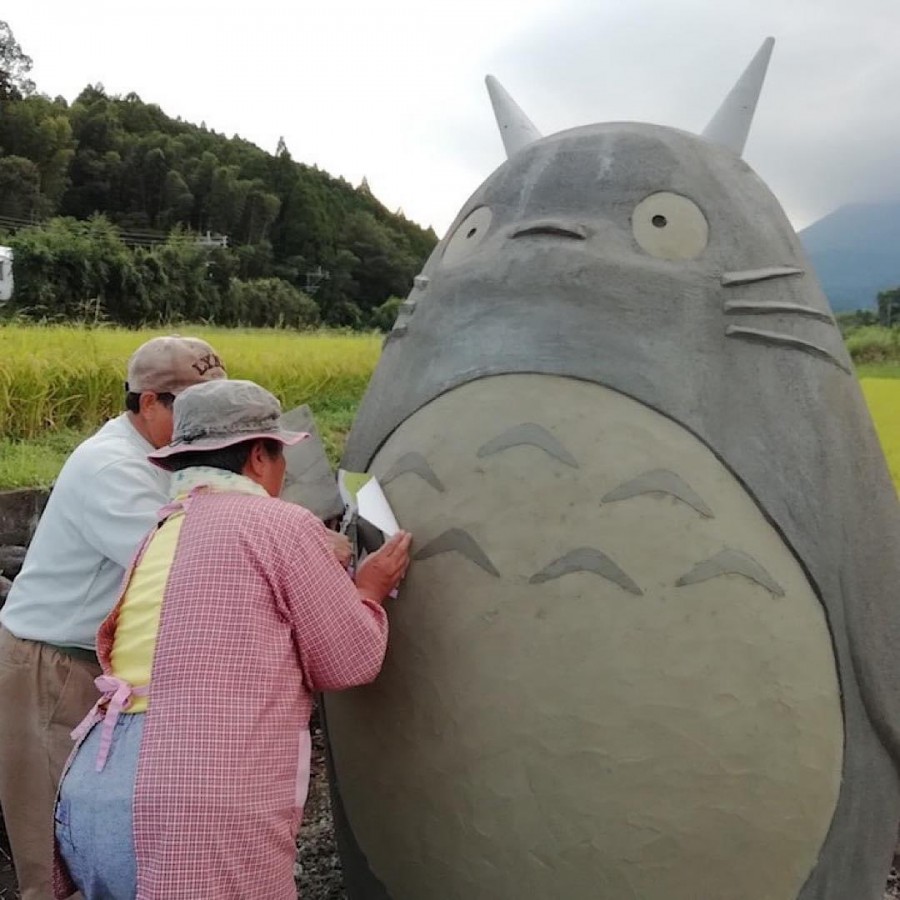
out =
column 162, row 516
column 117, row 695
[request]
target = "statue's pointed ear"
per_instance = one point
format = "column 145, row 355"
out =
column 516, row 128
column 731, row 123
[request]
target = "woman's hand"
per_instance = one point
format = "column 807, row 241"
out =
column 341, row 547
column 380, row 572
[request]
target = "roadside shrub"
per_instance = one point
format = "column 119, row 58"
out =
column 384, row 316
column 270, row 301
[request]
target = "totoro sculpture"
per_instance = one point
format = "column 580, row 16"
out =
column 649, row 646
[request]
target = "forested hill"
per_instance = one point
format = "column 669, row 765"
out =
column 855, row 253
column 151, row 175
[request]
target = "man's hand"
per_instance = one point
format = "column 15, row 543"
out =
column 341, row 547
column 383, row 570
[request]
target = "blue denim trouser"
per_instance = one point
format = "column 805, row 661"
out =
column 94, row 814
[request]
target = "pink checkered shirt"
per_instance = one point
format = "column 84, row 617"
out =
column 257, row 616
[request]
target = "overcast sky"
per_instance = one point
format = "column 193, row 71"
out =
column 393, row 89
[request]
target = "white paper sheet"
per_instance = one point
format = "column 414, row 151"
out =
column 375, row 509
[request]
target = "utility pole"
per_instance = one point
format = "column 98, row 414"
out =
column 314, row 279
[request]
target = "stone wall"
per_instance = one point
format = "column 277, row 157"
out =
column 19, row 514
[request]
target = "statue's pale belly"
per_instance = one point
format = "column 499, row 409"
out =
column 607, row 676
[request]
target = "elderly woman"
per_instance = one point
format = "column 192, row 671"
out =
column 191, row 772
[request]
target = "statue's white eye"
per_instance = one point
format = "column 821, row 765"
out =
column 669, row 226
column 468, row 235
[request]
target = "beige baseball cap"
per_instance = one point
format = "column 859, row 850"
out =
column 168, row 365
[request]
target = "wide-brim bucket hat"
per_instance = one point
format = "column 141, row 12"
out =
column 221, row 413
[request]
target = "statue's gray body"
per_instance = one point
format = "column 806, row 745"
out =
column 594, row 331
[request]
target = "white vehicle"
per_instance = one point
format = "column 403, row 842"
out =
column 6, row 274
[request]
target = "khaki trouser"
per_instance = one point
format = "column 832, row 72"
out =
column 44, row 694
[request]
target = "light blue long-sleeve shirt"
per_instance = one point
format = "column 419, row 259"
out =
column 103, row 503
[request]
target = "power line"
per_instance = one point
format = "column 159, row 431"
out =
column 129, row 238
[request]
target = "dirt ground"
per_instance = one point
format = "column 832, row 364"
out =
column 318, row 868
column 7, row 876
column 892, row 890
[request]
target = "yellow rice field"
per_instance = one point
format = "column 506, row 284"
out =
column 883, row 397
column 57, row 383
column 54, row 378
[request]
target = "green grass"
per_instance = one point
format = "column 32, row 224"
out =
column 883, row 370
column 36, row 463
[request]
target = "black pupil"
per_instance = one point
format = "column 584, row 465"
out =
column 659, row 221
column 472, row 232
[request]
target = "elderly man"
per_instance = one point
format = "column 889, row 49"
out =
column 106, row 497
column 190, row 780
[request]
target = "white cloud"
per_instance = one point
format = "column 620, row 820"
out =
column 394, row 90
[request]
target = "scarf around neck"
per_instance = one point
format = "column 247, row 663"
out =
column 216, row 480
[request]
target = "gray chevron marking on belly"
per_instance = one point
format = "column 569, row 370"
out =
column 418, row 465
column 459, row 541
column 660, row 481
column 586, row 559
column 731, row 562
column 528, row 433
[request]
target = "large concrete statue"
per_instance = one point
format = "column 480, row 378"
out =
column 649, row 648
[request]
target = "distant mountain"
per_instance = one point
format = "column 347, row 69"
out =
column 856, row 253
